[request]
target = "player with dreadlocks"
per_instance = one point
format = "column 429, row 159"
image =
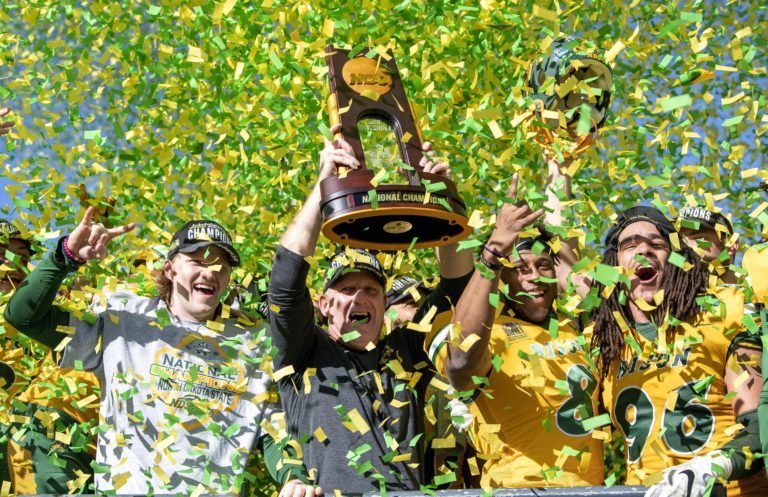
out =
column 679, row 369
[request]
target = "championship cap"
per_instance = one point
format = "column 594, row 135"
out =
column 9, row 230
column 633, row 215
column 350, row 260
column 401, row 289
column 203, row 233
column 697, row 217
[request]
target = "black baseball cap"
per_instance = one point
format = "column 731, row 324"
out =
column 349, row 260
column 697, row 216
column 401, row 289
column 203, row 233
column 9, row 230
column 633, row 215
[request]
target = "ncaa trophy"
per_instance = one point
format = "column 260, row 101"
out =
column 571, row 94
column 364, row 208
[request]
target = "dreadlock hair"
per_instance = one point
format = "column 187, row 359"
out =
column 680, row 291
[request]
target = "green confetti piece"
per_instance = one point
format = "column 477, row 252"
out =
column 675, row 103
column 677, row 259
column 732, row 121
column 493, row 299
column 596, row 421
column 276, row 61
column 497, row 362
column 633, row 343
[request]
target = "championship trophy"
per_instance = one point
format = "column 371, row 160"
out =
column 359, row 208
column 571, row 93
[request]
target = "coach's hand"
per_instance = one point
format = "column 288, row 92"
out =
column 336, row 154
column 89, row 240
column 692, row 478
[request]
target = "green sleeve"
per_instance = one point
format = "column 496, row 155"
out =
column 30, row 309
column 762, row 408
column 274, row 454
column 734, row 449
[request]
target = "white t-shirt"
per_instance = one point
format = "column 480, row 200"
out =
column 181, row 403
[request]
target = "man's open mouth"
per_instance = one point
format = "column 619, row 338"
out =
column 534, row 294
column 358, row 318
column 646, row 274
column 205, row 289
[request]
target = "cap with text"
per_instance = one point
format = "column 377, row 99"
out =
column 200, row 234
column 698, row 217
column 350, row 260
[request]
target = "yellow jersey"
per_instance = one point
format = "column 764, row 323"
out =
column 670, row 402
column 527, row 420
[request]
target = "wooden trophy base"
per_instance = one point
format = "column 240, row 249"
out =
column 395, row 217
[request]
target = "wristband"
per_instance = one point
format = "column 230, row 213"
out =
column 71, row 255
column 494, row 252
column 490, row 265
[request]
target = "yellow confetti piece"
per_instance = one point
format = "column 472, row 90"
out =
column 69, row 330
column 120, row 479
column 380, row 174
column 357, row 420
column 643, row 305
column 84, row 402
column 161, row 475
column 546, row 14
column 320, row 435
column 468, row 342
column 402, row 457
column 495, row 129
column 283, row 372
column 758, row 210
column 601, row 435
column 214, row 326
column 744, row 376
column 328, row 28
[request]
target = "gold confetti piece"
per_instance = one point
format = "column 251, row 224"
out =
column 468, row 342
column 283, row 372
column 601, row 435
column 161, row 475
column 758, row 210
column 320, row 435
column 546, row 14
column 643, row 305
column 652, row 479
column 214, row 326
column 744, row 376
column 402, row 457
column 69, row 330
column 380, row 174
column 84, row 402
column 731, row 430
column 659, row 451
column 359, row 423
column 194, row 54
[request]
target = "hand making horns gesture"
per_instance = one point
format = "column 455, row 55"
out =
column 513, row 218
column 89, row 240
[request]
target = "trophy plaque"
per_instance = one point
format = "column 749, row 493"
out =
column 423, row 210
column 572, row 93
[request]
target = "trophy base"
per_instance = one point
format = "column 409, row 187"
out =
column 391, row 217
